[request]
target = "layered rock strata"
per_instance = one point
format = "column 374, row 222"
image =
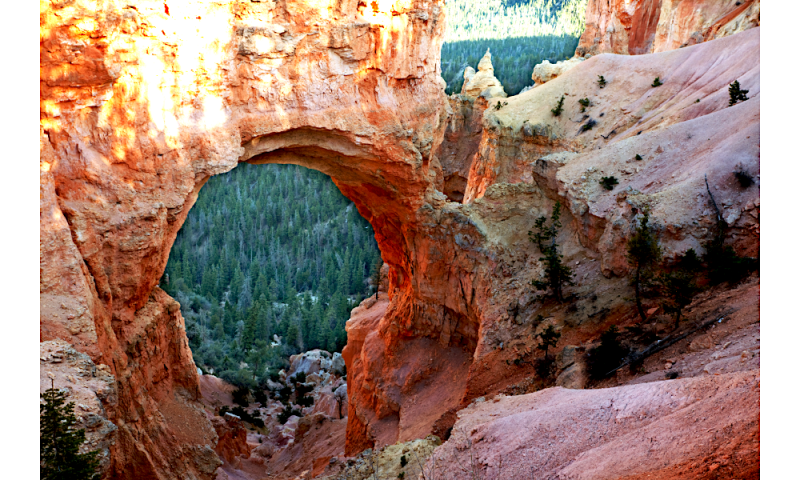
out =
column 635, row 27
column 141, row 103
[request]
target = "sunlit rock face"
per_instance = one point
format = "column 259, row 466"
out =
column 635, row 27
column 141, row 103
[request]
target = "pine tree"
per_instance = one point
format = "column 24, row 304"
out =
column 556, row 274
column 60, row 442
column 736, row 93
column 643, row 255
column 558, row 108
column 548, row 338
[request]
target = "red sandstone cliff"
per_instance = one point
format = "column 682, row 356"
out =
column 634, row 27
column 141, row 104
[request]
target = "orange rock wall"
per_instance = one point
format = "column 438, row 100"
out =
column 635, row 27
column 141, row 104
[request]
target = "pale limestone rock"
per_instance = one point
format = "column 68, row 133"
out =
column 483, row 83
column 546, row 71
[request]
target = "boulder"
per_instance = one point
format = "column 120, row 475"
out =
column 574, row 377
column 337, row 365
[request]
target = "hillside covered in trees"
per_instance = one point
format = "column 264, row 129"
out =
column 520, row 33
column 268, row 250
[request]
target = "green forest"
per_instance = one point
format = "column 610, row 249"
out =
column 277, row 249
column 268, row 250
column 520, row 33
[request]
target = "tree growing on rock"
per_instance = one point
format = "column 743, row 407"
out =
column 678, row 285
column 736, row 93
column 556, row 274
column 60, row 442
column 558, row 108
column 548, row 338
column 643, row 255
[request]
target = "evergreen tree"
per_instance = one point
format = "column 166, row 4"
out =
column 643, row 255
column 736, row 93
column 60, row 442
column 548, row 338
column 556, row 274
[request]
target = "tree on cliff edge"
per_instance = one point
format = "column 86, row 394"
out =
column 556, row 274
column 59, row 441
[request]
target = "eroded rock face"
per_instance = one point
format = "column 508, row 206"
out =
column 141, row 104
column 635, row 27
column 483, row 83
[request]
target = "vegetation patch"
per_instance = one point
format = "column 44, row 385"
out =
column 556, row 111
column 609, row 182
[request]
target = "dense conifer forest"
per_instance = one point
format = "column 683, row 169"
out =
column 272, row 258
column 268, row 250
column 520, row 33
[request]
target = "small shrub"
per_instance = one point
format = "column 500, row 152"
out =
column 609, row 182
column 246, row 417
column 559, row 107
column 287, row 412
column 638, row 157
column 240, row 396
column 500, row 105
column 548, row 338
column 736, row 93
column 285, row 392
column 304, row 401
column 607, row 356
column 697, row 101
column 401, row 475
column 585, row 102
column 601, row 81
column 744, row 178
column 403, row 461
column 588, row 125
column 656, row 82
column 260, row 397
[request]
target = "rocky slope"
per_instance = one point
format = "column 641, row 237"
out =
column 303, row 446
column 140, row 104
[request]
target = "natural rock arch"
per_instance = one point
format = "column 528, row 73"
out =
column 141, row 105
